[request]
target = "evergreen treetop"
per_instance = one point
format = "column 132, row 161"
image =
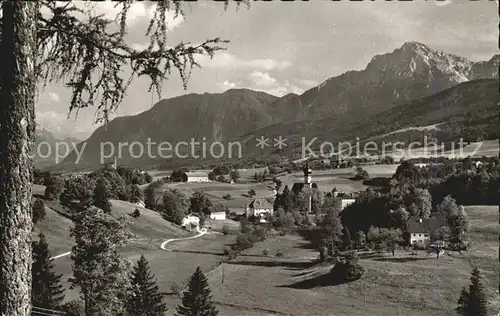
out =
column 197, row 301
column 144, row 298
column 473, row 302
column 47, row 291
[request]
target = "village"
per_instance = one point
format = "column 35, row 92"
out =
column 228, row 223
column 253, row 158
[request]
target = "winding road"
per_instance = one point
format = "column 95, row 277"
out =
column 162, row 246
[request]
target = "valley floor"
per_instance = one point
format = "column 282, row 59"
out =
column 254, row 284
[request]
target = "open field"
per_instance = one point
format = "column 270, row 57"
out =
column 150, row 225
column 56, row 229
column 405, row 285
column 489, row 148
column 254, row 284
column 216, row 190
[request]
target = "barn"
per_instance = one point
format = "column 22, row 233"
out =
column 197, row 177
column 218, row 216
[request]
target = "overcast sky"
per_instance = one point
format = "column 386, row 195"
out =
column 281, row 47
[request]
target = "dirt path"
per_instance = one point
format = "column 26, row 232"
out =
column 164, row 244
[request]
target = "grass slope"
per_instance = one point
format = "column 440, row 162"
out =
column 405, row 285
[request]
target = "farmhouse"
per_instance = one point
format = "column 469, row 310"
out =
column 421, row 229
column 197, row 177
column 217, row 212
column 190, row 221
column 259, row 208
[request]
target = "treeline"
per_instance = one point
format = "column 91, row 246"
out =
column 467, row 182
column 76, row 192
column 173, row 205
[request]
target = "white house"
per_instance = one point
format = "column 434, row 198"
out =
column 259, row 208
column 421, row 229
column 218, row 216
column 190, row 221
column 197, row 177
column 344, row 202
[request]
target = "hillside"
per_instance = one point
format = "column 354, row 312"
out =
column 214, row 117
column 468, row 110
column 150, row 227
column 335, row 110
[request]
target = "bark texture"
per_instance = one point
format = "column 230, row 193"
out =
column 17, row 128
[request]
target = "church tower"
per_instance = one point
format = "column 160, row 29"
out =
column 308, row 183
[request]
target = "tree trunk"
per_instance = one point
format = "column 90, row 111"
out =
column 17, row 128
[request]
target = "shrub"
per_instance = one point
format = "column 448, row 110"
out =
column 265, row 252
column 361, row 174
column 418, row 246
column 251, row 192
column 38, row 211
column 245, row 226
column 54, row 186
column 225, row 229
column 260, row 233
column 298, row 218
column 244, row 241
column 346, row 272
column 279, row 254
column 74, row 308
column 136, row 213
column 148, row 178
column 176, row 288
column 231, row 253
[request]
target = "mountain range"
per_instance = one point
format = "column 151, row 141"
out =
column 46, row 144
column 413, row 85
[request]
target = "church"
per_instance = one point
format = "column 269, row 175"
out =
column 307, row 182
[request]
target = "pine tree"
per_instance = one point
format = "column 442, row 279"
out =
column 47, row 291
column 473, row 302
column 197, row 300
column 144, row 298
column 101, row 196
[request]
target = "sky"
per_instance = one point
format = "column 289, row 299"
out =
column 283, row 47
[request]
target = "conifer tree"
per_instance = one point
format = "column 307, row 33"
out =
column 473, row 302
column 47, row 291
column 144, row 298
column 197, row 300
column 101, row 196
